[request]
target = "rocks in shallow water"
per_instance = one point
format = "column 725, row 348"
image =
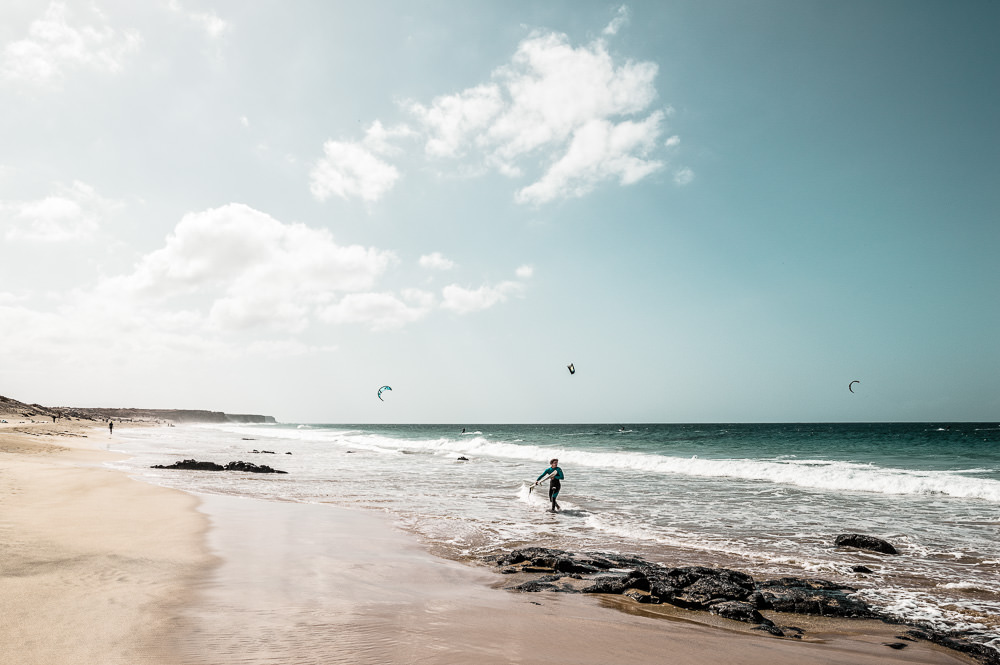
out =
column 772, row 629
column 981, row 652
column 822, row 602
column 861, row 569
column 726, row 593
column 191, row 465
column 739, row 611
column 195, row 465
column 863, row 542
column 252, row 468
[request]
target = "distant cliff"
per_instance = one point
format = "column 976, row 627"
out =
column 19, row 409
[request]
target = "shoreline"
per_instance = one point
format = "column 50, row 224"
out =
column 100, row 567
column 94, row 563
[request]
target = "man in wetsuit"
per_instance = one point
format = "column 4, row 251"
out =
column 554, row 484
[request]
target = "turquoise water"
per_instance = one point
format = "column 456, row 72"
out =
column 764, row 498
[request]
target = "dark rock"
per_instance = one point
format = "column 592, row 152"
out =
column 533, row 587
column 862, row 542
column 697, row 587
column 571, row 565
column 739, row 611
column 772, row 629
column 804, row 583
column 895, row 645
column 861, row 569
column 808, row 600
column 251, row 468
column 607, row 584
column 538, row 556
column 639, row 597
column 195, row 465
column 981, row 652
column 463, row 459
column 191, row 465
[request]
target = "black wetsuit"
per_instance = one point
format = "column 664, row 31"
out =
column 554, row 484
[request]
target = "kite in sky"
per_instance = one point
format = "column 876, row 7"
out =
column 851, row 384
column 572, row 370
column 380, row 391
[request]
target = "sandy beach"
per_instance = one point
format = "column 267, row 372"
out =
column 100, row 568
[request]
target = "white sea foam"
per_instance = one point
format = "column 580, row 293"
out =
column 814, row 474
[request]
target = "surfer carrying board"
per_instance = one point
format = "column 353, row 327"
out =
column 554, row 474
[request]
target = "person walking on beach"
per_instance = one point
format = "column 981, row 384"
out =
column 554, row 484
column 111, row 427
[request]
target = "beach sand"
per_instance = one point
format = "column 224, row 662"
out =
column 101, row 568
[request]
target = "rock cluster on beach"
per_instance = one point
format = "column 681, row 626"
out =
column 729, row 594
column 195, row 465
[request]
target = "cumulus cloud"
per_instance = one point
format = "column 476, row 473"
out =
column 351, row 170
column 356, row 168
column 380, row 311
column 54, row 47
column 452, row 122
column 599, row 151
column 253, row 269
column 464, row 300
column 683, row 176
column 230, row 282
column 571, row 117
column 436, row 261
column 70, row 213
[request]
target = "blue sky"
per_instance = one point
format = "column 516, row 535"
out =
column 718, row 211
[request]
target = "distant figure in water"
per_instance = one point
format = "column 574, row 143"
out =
column 111, row 427
column 463, row 430
column 554, row 484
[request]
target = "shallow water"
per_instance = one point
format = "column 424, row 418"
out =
column 767, row 499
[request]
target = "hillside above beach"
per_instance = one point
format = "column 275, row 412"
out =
column 11, row 409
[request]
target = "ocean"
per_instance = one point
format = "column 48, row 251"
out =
column 766, row 499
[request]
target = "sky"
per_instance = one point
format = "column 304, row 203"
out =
column 718, row 211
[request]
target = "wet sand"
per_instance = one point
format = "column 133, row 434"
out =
column 100, row 568
column 93, row 564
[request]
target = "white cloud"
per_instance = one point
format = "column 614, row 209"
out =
column 53, row 47
column 436, row 261
column 452, row 120
column 599, row 151
column 673, row 142
column 524, row 272
column 565, row 109
column 380, row 311
column 228, row 282
column 70, row 213
column 245, row 121
column 355, row 169
column 573, row 113
column 463, row 301
column 620, row 20
column 683, row 176
column 252, row 270
column 351, row 170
